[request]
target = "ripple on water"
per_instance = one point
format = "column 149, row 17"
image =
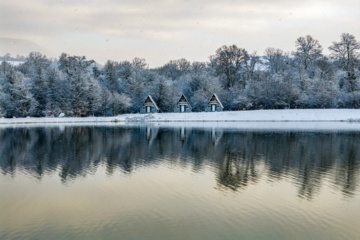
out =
column 114, row 182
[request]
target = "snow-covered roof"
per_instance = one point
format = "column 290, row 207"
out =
column 217, row 99
column 152, row 100
column 183, row 97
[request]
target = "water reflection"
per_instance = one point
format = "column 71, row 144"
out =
column 238, row 159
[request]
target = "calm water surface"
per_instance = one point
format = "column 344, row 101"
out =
column 147, row 182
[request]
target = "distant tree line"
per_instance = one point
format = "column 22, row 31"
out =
column 304, row 78
column 8, row 57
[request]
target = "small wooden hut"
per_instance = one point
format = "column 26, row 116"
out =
column 182, row 105
column 214, row 104
column 149, row 106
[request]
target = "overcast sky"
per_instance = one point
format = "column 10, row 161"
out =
column 160, row 30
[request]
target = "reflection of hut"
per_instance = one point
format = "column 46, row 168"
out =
column 151, row 133
column 214, row 104
column 182, row 105
column 148, row 132
column 216, row 135
column 149, row 106
column 182, row 133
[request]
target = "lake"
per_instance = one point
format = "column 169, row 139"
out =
column 178, row 182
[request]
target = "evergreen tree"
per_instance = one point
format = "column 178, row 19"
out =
column 54, row 96
column 77, row 73
column 38, row 66
column 17, row 101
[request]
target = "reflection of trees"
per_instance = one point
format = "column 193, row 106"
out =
column 240, row 158
column 304, row 158
column 236, row 172
column 348, row 173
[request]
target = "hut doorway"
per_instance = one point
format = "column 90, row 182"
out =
column 214, row 104
column 182, row 105
column 149, row 106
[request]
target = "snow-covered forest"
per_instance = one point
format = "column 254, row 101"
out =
column 275, row 79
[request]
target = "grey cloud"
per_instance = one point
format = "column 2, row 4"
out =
column 210, row 23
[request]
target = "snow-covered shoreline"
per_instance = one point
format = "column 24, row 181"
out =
column 291, row 115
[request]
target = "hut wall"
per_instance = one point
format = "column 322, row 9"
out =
column 153, row 108
column 217, row 109
column 177, row 107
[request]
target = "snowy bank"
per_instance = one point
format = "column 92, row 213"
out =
column 338, row 126
column 258, row 126
column 291, row 115
column 47, row 120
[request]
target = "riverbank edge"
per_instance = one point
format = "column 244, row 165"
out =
column 290, row 115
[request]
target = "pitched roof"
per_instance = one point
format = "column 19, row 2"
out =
column 217, row 99
column 183, row 97
column 152, row 100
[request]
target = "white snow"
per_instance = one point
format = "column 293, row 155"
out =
column 293, row 115
column 59, row 120
column 229, row 126
column 260, row 126
column 257, row 116
column 15, row 63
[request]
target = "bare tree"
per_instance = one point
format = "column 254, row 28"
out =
column 228, row 63
column 345, row 52
column 276, row 60
column 139, row 63
column 308, row 50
